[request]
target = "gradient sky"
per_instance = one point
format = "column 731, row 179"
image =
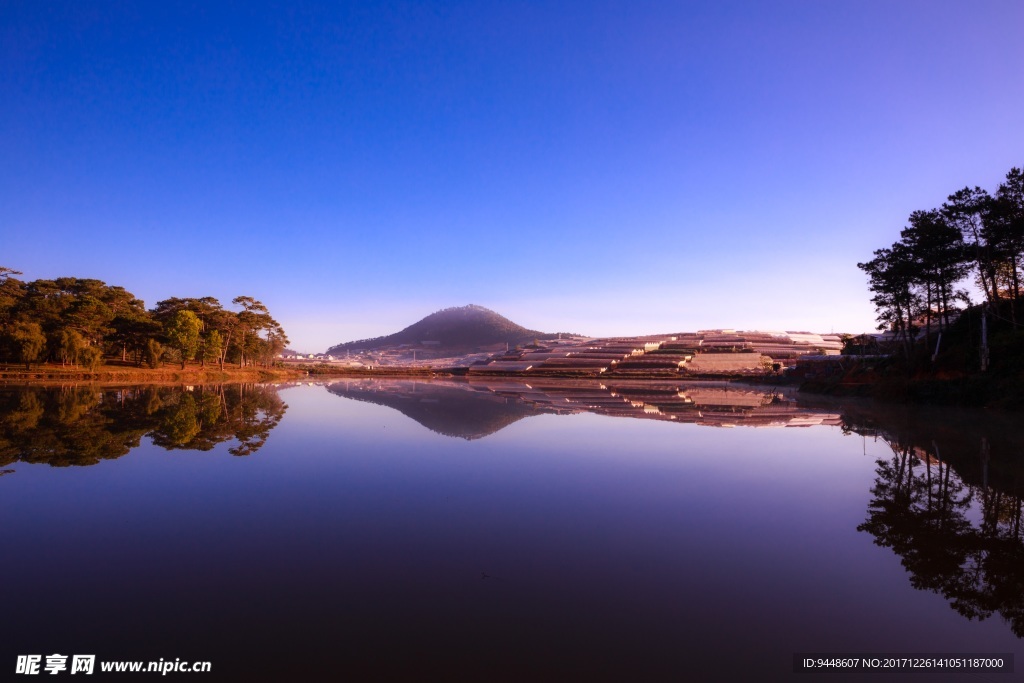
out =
column 596, row 167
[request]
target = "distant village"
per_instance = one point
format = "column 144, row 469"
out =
column 707, row 352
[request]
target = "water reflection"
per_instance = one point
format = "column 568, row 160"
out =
column 949, row 502
column 458, row 410
column 475, row 409
column 946, row 498
column 83, row 425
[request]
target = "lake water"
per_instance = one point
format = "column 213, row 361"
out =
column 503, row 531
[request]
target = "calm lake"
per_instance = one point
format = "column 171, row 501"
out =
column 499, row 530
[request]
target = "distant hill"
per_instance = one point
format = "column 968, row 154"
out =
column 461, row 329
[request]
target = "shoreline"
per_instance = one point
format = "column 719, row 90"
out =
column 48, row 374
column 51, row 374
column 966, row 391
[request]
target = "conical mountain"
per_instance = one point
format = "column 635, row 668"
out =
column 461, row 328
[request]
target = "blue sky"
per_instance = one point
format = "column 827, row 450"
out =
column 599, row 167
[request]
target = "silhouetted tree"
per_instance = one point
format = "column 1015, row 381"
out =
column 892, row 275
column 966, row 210
column 939, row 261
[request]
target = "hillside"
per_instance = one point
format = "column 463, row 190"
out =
column 461, row 329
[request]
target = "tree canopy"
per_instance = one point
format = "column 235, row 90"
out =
column 79, row 321
column 918, row 281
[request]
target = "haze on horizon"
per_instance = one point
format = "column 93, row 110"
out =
column 596, row 167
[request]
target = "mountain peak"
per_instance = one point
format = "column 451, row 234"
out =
column 455, row 329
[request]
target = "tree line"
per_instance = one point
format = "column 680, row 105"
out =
column 918, row 281
column 75, row 321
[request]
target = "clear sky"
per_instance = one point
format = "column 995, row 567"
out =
column 596, row 167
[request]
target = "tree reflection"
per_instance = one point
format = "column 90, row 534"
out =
column 62, row 427
column 960, row 539
column 180, row 424
column 255, row 415
column 201, row 419
column 84, row 425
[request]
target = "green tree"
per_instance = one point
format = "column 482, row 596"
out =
column 213, row 345
column 91, row 357
column 12, row 291
column 182, row 332
column 29, row 341
column 12, row 294
column 207, row 309
column 254, row 320
column 69, row 346
column 154, row 353
column 249, row 322
column 274, row 342
column 88, row 307
column 132, row 330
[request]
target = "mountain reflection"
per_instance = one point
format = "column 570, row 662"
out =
column 456, row 410
column 83, row 425
column 946, row 498
column 475, row 409
column 948, row 501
